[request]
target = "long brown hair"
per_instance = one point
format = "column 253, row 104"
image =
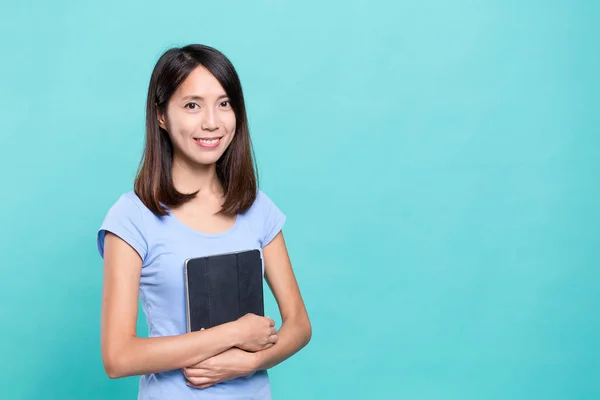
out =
column 236, row 169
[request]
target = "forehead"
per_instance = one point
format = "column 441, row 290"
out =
column 200, row 82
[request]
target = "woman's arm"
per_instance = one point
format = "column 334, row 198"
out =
column 125, row 354
column 294, row 334
column 296, row 330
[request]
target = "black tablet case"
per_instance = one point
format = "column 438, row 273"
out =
column 222, row 288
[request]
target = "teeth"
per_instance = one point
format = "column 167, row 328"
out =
column 208, row 141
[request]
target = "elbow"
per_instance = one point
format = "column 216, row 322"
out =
column 303, row 327
column 114, row 365
column 306, row 329
column 112, row 373
column 307, row 333
column 112, row 369
column 299, row 324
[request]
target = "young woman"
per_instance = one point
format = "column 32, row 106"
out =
column 195, row 194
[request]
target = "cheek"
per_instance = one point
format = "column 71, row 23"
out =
column 231, row 138
column 231, row 129
column 230, row 123
column 185, row 126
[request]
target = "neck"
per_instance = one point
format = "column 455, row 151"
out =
column 188, row 178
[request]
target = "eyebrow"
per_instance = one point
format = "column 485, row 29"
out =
column 196, row 97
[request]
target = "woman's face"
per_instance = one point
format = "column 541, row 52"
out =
column 199, row 119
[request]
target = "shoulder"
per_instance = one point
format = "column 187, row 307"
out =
column 127, row 200
column 265, row 217
column 130, row 205
column 262, row 204
column 126, row 218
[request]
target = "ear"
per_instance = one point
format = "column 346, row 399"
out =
column 161, row 119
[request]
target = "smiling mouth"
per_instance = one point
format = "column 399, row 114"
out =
column 208, row 142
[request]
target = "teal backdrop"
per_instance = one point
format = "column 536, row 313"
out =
column 438, row 163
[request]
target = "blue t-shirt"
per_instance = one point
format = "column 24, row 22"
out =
column 164, row 243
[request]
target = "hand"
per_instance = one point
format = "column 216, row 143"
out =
column 230, row 364
column 256, row 333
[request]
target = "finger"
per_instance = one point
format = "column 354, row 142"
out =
column 201, row 386
column 195, row 372
column 271, row 322
column 273, row 331
column 273, row 339
column 267, row 346
column 191, row 372
column 200, row 380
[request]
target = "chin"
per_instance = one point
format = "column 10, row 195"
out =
column 204, row 161
column 207, row 159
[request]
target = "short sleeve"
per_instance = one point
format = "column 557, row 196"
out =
column 124, row 219
column 273, row 218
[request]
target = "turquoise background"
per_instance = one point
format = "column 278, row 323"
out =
column 438, row 163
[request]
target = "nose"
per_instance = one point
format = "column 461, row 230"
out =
column 209, row 120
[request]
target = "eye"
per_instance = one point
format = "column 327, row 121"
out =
column 225, row 104
column 192, row 106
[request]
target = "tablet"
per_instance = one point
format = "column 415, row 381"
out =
column 221, row 288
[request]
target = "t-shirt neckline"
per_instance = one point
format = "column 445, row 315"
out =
column 188, row 228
